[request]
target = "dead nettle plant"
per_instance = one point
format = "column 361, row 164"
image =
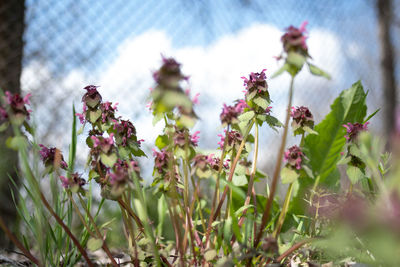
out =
column 236, row 225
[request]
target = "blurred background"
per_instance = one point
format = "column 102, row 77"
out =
column 52, row 49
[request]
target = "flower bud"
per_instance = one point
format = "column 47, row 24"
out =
column 92, row 97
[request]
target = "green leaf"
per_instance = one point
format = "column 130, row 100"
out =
column 157, row 117
column 323, row 150
column 4, row 126
column 280, row 71
column 209, row 255
column 124, row 152
column 93, row 174
column 296, row 59
column 162, row 141
column 239, row 180
column 108, row 160
column 309, row 130
column 28, row 128
column 260, row 175
column 174, row 99
column 240, row 169
column 80, row 131
column 247, row 116
column 288, row 175
column 94, row 115
column 354, row 174
column 241, row 209
column 228, row 230
column 186, row 121
column 203, row 174
column 94, row 244
column 251, row 95
column 72, row 147
column 16, row 142
column 261, row 102
column 372, row 115
column 273, row 122
column 318, row 72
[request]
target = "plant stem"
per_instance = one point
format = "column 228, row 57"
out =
column 143, row 210
column 18, row 243
column 250, row 187
column 292, row 249
column 231, row 172
column 285, row 208
column 277, row 168
column 131, row 213
column 104, row 245
column 66, row 229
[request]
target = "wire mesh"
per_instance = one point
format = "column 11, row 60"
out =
column 69, row 44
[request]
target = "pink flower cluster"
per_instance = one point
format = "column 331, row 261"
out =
column 256, row 81
column 353, row 129
column 294, row 157
column 295, row 39
column 48, row 156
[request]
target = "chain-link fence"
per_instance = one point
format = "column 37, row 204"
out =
column 117, row 44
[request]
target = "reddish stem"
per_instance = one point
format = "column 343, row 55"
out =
column 18, row 244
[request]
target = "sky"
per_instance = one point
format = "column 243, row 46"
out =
column 118, row 44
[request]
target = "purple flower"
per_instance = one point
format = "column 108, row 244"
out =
column 64, row 181
column 108, row 111
column 194, row 138
column 354, row 129
column 3, row 115
column 92, row 97
column 125, row 130
column 104, row 143
column 241, row 105
column 229, row 115
column 256, row 81
column 75, row 181
column 82, row 116
column 214, row 162
column 302, row 117
column 52, row 156
column 294, row 157
column 161, row 160
column 121, row 171
column 200, row 162
column 234, row 138
column 169, row 74
column 295, row 39
column 195, row 99
column 16, row 104
column 180, row 137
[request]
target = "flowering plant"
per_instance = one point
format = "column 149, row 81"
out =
column 202, row 209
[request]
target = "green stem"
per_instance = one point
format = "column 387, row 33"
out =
column 267, row 209
column 146, row 225
column 285, row 208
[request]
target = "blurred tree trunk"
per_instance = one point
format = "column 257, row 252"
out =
column 384, row 9
column 11, row 51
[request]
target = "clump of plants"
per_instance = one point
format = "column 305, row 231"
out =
column 203, row 209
